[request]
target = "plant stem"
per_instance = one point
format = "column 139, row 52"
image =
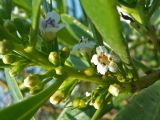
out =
column 147, row 80
column 100, row 111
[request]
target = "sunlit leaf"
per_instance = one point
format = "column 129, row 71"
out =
column 76, row 28
column 143, row 106
column 104, row 15
column 25, row 109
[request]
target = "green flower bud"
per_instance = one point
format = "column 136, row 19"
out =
column 114, row 89
column 9, row 25
column 8, row 59
column 37, row 88
column 59, row 70
column 5, row 47
column 65, row 52
column 32, row 80
column 54, row 58
column 57, row 97
column 78, row 102
column 98, row 102
column 89, row 71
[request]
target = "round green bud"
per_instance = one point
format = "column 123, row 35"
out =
column 37, row 88
column 32, row 80
column 59, row 70
column 57, row 97
column 5, row 47
column 8, row 59
column 98, row 102
column 78, row 102
column 54, row 58
column 89, row 71
column 9, row 25
column 65, row 52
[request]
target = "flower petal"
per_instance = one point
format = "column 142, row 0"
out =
column 101, row 49
column 95, row 59
column 102, row 69
column 114, row 57
column 53, row 15
column 113, row 67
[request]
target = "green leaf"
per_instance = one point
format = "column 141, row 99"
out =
column 76, row 28
column 71, row 113
column 35, row 19
column 104, row 15
column 143, row 106
column 65, row 38
column 13, row 86
column 26, row 108
column 26, row 4
column 7, row 6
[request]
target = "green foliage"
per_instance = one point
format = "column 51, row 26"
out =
column 71, row 113
column 26, row 108
column 107, row 21
column 144, row 105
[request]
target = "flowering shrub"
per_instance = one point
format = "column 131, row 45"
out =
column 107, row 61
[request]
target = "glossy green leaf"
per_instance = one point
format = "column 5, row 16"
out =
column 71, row 113
column 65, row 38
column 13, row 86
column 143, row 106
column 76, row 28
column 26, row 108
column 104, row 15
column 35, row 20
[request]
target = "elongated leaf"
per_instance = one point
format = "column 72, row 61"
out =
column 65, row 38
column 12, row 84
column 26, row 4
column 35, row 19
column 143, row 106
column 71, row 113
column 76, row 28
column 26, row 108
column 104, row 15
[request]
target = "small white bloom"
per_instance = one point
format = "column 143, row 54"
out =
column 105, row 61
column 50, row 24
column 114, row 89
column 84, row 46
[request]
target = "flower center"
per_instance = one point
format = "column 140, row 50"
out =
column 51, row 22
column 103, row 59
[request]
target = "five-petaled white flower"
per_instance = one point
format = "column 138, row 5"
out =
column 105, row 61
column 84, row 46
column 50, row 25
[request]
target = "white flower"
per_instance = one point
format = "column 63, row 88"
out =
column 105, row 61
column 50, row 24
column 114, row 89
column 84, row 46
